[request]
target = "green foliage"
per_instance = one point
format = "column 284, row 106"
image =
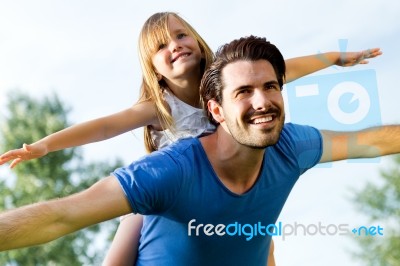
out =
column 56, row 175
column 382, row 203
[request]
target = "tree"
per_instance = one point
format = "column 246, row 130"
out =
column 382, row 204
column 56, row 175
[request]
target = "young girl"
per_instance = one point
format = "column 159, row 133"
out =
column 173, row 58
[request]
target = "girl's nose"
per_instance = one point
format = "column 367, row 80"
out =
column 174, row 45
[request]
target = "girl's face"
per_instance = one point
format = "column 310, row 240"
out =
column 180, row 58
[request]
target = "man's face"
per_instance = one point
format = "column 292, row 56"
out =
column 252, row 104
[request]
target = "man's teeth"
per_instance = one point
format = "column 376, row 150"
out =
column 262, row 120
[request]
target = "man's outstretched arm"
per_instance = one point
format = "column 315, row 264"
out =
column 43, row 222
column 368, row 143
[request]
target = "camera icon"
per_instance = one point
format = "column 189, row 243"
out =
column 343, row 101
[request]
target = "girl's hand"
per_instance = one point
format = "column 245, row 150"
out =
column 354, row 58
column 27, row 152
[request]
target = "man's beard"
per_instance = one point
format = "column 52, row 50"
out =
column 261, row 138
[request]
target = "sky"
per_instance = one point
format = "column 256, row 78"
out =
column 86, row 52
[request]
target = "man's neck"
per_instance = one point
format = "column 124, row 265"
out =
column 236, row 165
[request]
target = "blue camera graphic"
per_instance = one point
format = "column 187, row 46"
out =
column 343, row 101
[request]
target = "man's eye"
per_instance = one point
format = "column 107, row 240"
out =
column 273, row 88
column 244, row 91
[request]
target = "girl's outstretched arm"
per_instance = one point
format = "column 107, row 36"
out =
column 140, row 114
column 301, row 66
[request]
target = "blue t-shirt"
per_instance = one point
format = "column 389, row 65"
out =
column 193, row 219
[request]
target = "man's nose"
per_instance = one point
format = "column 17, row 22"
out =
column 261, row 100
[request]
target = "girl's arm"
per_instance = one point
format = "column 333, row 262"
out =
column 124, row 248
column 140, row 114
column 301, row 66
column 271, row 256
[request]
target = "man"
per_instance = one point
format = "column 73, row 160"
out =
column 209, row 200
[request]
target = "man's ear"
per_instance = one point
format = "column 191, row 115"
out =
column 216, row 111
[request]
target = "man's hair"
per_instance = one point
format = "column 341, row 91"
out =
column 250, row 48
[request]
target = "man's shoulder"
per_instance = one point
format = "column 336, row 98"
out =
column 298, row 131
column 177, row 153
column 293, row 126
column 303, row 142
column 167, row 160
column 185, row 146
column 303, row 137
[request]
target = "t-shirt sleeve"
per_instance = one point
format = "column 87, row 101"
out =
column 151, row 183
column 305, row 143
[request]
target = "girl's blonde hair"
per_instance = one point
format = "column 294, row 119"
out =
column 155, row 31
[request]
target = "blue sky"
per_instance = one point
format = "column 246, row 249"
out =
column 86, row 51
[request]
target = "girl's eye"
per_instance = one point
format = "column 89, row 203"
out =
column 161, row 46
column 181, row 35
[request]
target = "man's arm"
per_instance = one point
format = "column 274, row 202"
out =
column 43, row 222
column 368, row 143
